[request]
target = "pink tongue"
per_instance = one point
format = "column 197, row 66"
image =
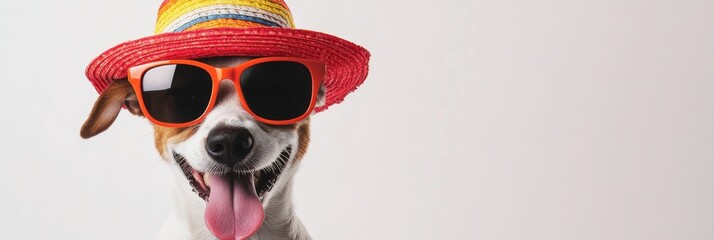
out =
column 234, row 210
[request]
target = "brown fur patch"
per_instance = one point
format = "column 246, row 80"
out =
column 166, row 135
column 303, row 140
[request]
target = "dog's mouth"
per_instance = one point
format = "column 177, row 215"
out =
column 234, row 207
column 263, row 179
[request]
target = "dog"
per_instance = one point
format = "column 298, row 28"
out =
column 230, row 87
column 273, row 154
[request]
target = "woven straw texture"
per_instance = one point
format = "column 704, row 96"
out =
column 195, row 29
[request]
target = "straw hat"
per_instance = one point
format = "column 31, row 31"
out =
column 192, row 29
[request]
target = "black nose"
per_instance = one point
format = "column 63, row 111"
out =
column 229, row 145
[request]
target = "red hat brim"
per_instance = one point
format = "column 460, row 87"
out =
column 346, row 63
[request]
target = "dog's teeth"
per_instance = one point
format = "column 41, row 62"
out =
column 207, row 180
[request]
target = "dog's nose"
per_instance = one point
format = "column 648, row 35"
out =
column 229, row 145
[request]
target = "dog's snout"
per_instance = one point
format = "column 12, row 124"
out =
column 229, row 145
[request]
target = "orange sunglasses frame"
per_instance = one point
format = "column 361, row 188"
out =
column 317, row 71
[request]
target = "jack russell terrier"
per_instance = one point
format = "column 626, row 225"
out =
column 229, row 87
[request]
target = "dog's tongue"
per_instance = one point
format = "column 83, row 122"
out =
column 234, row 210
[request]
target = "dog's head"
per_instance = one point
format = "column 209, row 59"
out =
column 229, row 159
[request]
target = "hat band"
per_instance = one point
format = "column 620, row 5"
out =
column 226, row 12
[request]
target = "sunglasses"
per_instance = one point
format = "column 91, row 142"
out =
column 274, row 90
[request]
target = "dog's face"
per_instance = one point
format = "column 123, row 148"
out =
column 229, row 156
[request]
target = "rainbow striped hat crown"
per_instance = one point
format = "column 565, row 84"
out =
column 179, row 16
column 194, row 29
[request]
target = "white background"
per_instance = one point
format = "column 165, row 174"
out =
column 481, row 119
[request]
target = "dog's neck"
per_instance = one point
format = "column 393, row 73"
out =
column 280, row 219
column 187, row 220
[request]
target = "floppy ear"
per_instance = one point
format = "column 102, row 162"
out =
column 107, row 107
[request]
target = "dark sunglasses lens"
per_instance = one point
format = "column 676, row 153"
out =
column 176, row 93
column 280, row 90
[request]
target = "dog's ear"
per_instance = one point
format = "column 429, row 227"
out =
column 320, row 96
column 107, row 107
